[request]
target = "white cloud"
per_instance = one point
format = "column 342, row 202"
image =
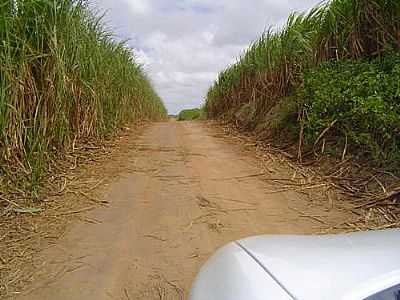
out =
column 143, row 58
column 141, row 7
column 183, row 44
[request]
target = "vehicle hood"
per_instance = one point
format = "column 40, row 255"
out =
column 232, row 274
column 331, row 267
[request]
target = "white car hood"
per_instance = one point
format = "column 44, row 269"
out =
column 232, row 274
column 330, row 267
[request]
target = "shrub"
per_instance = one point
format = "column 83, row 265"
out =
column 272, row 67
column 359, row 100
column 190, row 114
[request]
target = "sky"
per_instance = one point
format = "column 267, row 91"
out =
column 184, row 44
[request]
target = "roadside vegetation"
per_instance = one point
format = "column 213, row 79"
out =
column 190, row 114
column 356, row 103
column 63, row 78
column 329, row 80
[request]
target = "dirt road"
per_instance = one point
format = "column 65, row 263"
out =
column 185, row 192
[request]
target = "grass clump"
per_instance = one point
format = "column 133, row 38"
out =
column 62, row 77
column 190, row 114
column 275, row 66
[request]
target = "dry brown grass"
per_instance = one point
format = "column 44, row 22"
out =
column 371, row 195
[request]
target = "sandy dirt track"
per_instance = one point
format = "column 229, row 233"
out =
column 185, row 192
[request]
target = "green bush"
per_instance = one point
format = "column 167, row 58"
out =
column 352, row 101
column 190, row 114
column 272, row 67
column 360, row 101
